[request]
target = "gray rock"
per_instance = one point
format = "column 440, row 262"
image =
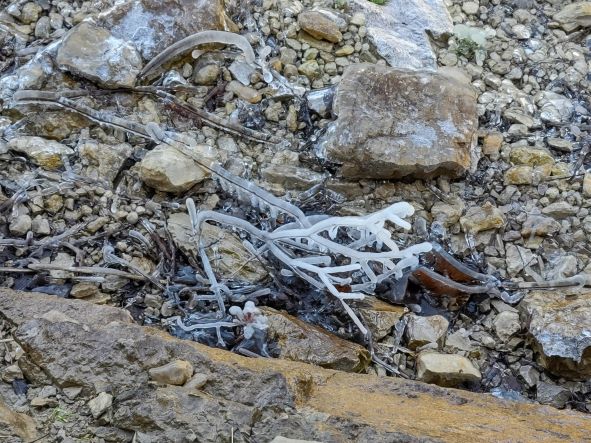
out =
column 529, row 375
column 560, row 209
column 424, row 330
column 445, row 369
column 20, row 225
column 40, row 226
column 559, row 322
column 517, row 258
column 321, row 100
column 399, row 30
column 45, row 153
column 208, row 75
column 551, row 394
column 575, row 14
column 506, row 324
column 554, row 108
column 20, row 425
column 380, row 317
column 292, row 177
column 383, row 132
column 93, row 53
column 176, row 373
column 99, row 405
column 103, row 161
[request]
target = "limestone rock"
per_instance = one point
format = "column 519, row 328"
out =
column 445, row 369
column 301, row 341
column 103, row 161
column 99, row 405
column 478, row 219
column 153, row 25
column 578, row 13
column 319, row 26
column 401, row 30
column 228, row 256
column 380, row 317
column 517, row 258
column 176, row 373
column 530, row 156
column 560, row 209
column 539, row 225
column 382, row 131
column 244, row 92
column 20, row 225
column 167, row 169
column 262, row 397
column 93, row 53
column 43, row 152
column 559, row 322
column 506, row 324
column 424, row 330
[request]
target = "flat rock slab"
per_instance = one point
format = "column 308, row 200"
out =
column 153, row 25
column 559, row 322
column 259, row 398
column 394, row 123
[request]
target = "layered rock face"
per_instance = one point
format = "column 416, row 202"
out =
column 394, row 123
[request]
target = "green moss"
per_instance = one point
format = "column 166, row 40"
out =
column 467, row 48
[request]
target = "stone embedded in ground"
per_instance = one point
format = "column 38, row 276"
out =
column 20, row 225
column 226, row 252
column 530, row 156
column 261, row 397
column 551, row 394
column 153, row 25
column 292, row 177
column 394, row 123
column 19, row 425
column 379, row 317
column 244, row 92
column 517, row 258
column 401, row 30
column 539, row 225
column 574, row 15
column 319, row 26
column 506, row 324
column 478, row 219
column 45, row 153
column 99, row 405
column 445, row 369
column 93, row 53
column 103, row 161
column 301, row 341
column 559, row 322
column 176, row 373
column 421, row 331
column 167, row 169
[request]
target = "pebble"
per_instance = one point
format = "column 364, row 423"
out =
column 40, row 225
column 425, row 330
column 244, row 92
column 176, row 373
column 506, row 324
column 99, row 405
column 478, row 219
column 45, row 153
column 20, row 225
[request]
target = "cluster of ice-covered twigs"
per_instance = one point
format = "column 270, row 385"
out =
column 346, row 256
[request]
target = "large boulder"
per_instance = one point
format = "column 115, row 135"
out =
column 152, row 25
column 394, row 123
column 92, row 349
column 559, row 322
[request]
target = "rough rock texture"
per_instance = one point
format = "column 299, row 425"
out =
column 300, row 341
column 319, row 26
column 380, row 317
column 393, row 123
column 103, row 161
column 14, row 424
column 445, row 369
column 174, row 373
column 259, row 397
column 399, row 30
column 423, row 330
column 559, row 322
column 575, row 14
column 152, row 25
column 167, row 169
column 93, row 53
column 45, row 153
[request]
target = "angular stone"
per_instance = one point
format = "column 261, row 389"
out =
column 517, row 258
column 506, row 324
column 539, row 225
column 93, row 53
column 244, row 92
column 167, row 169
column 587, row 184
column 310, row 69
column 19, row 425
column 401, row 30
column 319, row 26
column 99, row 405
column 526, row 175
column 424, row 330
column 103, row 161
column 551, row 394
column 380, row 317
column 559, row 322
column 383, row 131
column 300, row 341
column 578, row 13
column 20, row 225
column 292, row 177
column 530, row 156
column 446, row 369
column 176, row 373
column 262, row 397
column 478, row 219
column 153, row 25
column 560, row 209
column 43, row 152
column 228, row 255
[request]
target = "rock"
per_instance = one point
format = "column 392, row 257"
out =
column 292, row 177
column 555, row 108
column 531, row 156
column 383, row 132
column 560, row 144
column 19, row 425
column 167, row 169
column 319, row 26
column 207, row 75
column 587, row 184
column 41, row 226
column 20, row 225
column 527, row 175
column 401, row 31
column 448, row 213
column 226, row 252
column 12, row 372
column 578, row 13
column 280, row 439
column 517, row 258
column 560, row 267
column 559, row 322
column 529, row 375
column 492, row 144
column 30, row 13
column 506, row 324
column 300, row 341
column 262, row 397
column 320, row 101
column 445, row 369
column 103, row 161
column 153, row 25
column 478, row 219
column 93, row 53
column 176, row 373
column 551, row 394
column 197, row 381
column 470, row 8
column 424, row 330
column 310, row 69
column 380, row 317
column 99, row 405
column 521, row 32
column 84, row 290
column 539, row 225
column 560, row 209
column 45, row 153
column 244, row 92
